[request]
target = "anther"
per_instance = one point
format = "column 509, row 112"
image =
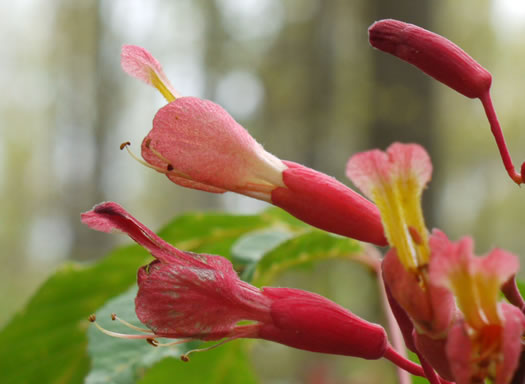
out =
column 414, row 234
column 185, row 358
column 113, row 316
column 92, row 318
column 169, row 167
column 124, row 145
column 153, row 342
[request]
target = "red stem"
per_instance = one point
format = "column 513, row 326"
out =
column 500, row 140
column 411, row 367
column 395, row 332
column 431, row 375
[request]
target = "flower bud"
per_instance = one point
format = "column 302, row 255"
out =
column 433, row 54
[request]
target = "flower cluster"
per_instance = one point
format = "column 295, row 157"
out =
column 447, row 301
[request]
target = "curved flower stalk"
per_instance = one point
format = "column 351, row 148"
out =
column 446, row 62
column 197, row 144
column 176, row 287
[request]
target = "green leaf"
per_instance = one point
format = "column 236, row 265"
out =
column 121, row 361
column 211, row 233
column 227, row 364
column 46, row 342
column 303, row 250
column 250, row 248
column 284, row 219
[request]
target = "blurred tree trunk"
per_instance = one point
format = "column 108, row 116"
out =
column 298, row 73
column 84, row 111
column 401, row 99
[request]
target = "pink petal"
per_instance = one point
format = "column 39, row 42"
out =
column 369, row 170
column 411, row 160
column 512, row 345
column 459, row 352
column 325, row 203
column 139, row 63
column 377, row 169
column 431, row 310
column 448, row 257
column 109, row 216
column 499, row 264
column 205, row 302
column 205, row 145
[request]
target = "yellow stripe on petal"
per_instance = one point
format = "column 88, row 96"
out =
column 395, row 180
column 474, row 281
column 139, row 63
column 162, row 87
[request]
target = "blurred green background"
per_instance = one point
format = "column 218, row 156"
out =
column 298, row 74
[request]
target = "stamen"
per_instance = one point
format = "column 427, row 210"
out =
column 155, row 152
column 169, row 168
column 129, row 325
column 185, row 357
column 127, row 144
column 92, row 318
column 177, row 342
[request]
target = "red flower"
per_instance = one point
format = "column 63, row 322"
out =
column 198, row 296
column 197, row 144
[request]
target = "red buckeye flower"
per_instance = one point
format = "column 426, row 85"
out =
column 197, row 144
